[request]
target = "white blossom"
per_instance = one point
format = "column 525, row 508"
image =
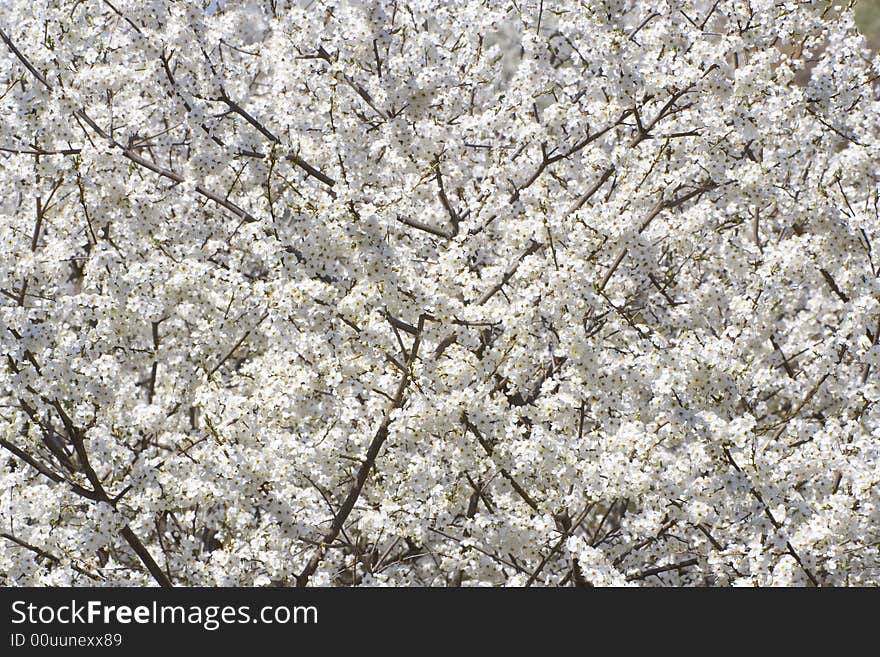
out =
column 467, row 293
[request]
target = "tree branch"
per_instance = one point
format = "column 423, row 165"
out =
column 366, row 466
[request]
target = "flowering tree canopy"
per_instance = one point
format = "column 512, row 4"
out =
column 410, row 292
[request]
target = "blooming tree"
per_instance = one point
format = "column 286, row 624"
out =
column 410, row 292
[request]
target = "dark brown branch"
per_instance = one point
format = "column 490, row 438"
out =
column 454, row 217
column 309, row 169
column 547, row 160
column 41, row 213
column 166, row 66
column 555, row 549
column 49, row 438
column 663, row 569
column 154, row 368
column 605, row 517
column 358, row 89
column 785, row 363
column 124, row 17
column 263, row 130
column 488, row 448
column 46, row 472
column 414, row 223
column 401, row 325
column 833, row 285
column 510, row 272
column 651, row 16
column 48, row 555
column 141, row 550
column 587, row 195
column 166, row 173
column 75, row 435
column 662, row 290
column 37, row 152
column 367, row 464
column 800, row 406
column 23, row 60
column 241, row 340
column 238, row 109
column 472, row 546
column 757, row 495
column 836, row 131
column 654, row 212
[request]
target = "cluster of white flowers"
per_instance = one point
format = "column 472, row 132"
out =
column 422, row 292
